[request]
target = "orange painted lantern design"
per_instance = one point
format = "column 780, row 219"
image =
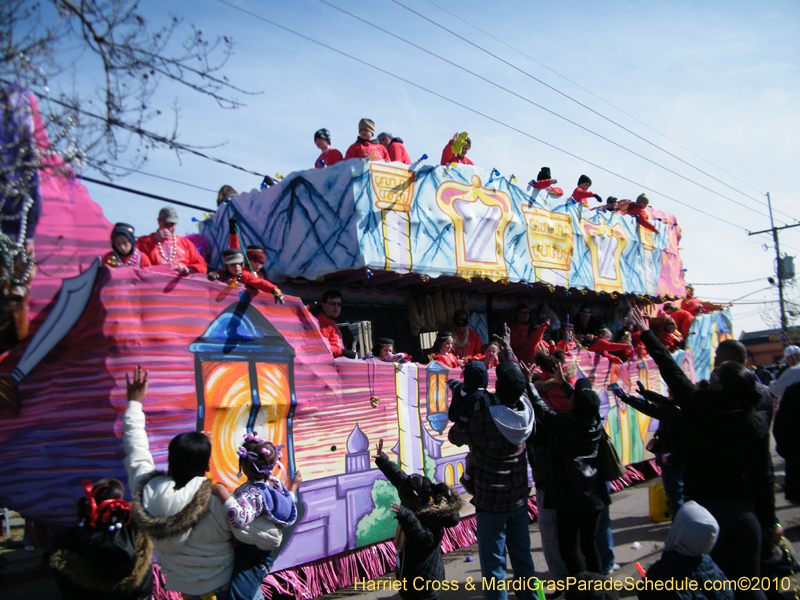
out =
column 244, row 372
column 436, row 374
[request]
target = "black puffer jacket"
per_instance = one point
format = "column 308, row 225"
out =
column 91, row 563
column 726, row 448
column 421, row 554
column 670, row 426
column 572, row 482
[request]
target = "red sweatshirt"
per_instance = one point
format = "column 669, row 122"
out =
column 580, row 195
column 603, row 347
column 448, row 156
column 448, row 360
column 672, row 341
column 524, row 345
column 248, row 278
column 330, row 331
column 398, row 153
column 543, row 184
column 330, row 157
column 683, row 320
column 692, row 305
column 641, row 217
column 371, row 150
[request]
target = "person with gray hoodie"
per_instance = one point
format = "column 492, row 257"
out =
column 686, row 558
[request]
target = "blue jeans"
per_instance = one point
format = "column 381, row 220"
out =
column 672, row 478
column 251, row 566
column 605, row 539
column 496, row 533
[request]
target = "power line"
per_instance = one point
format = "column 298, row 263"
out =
column 470, row 42
column 531, row 102
column 474, row 111
column 730, row 282
column 588, row 91
column 147, row 195
column 139, row 172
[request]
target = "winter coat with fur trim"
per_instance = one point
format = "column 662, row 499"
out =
column 90, row 563
column 189, row 526
column 421, row 554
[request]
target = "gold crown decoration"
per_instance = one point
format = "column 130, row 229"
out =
column 393, row 186
column 550, row 238
column 480, row 217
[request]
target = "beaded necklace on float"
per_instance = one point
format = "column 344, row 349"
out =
column 172, row 253
column 135, row 260
column 461, row 341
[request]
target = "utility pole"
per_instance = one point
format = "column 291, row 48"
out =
column 774, row 230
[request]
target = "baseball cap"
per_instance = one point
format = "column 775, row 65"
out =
column 168, row 215
column 791, row 351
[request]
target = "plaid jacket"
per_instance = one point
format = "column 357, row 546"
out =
column 500, row 469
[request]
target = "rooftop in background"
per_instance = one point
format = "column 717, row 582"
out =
column 766, row 345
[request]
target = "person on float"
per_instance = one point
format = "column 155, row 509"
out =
column 442, row 351
column 467, row 342
column 636, row 209
column 124, row 252
column 331, row 309
column 226, row 194
column 234, row 272
column 683, row 318
column 629, row 353
column 610, row 205
column 690, row 303
column 490, row 354
column 449, row 154
column 256, row 255
column 567, row 342
column 543, row 180
column 394, row 147
column 582, row 193
column 586, row 324
column 384, row 350
column 603, row 346
column 330, row 156
column 526, row 339
column 165, row 247
column 670, row 336
column 364, row 146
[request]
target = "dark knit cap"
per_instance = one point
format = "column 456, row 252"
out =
column 543, row 174
column 510, row 383
column 476, row 375
column 126, row 230
column 584, row 179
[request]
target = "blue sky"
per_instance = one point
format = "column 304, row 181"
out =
column 718, row 78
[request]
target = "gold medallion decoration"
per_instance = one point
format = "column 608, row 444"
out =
column 550, row 238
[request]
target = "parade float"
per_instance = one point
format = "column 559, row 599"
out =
column 405, row 246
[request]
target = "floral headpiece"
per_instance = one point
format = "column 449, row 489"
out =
column 243, row 452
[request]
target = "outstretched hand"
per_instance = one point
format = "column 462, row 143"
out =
column 641, row 387
column 137, row 390
column 506, row 335
column 378, row 449
column 395, row 507
column 278, row 297
column 638, row 319
column 527, row 371
column 558, row 373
